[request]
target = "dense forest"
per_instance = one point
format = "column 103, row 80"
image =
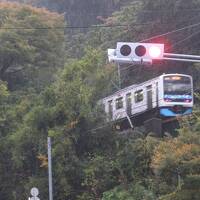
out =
column 79, row 12
column 52, row 73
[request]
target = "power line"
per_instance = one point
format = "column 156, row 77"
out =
column 99, row 26
column 63, row 27
column 142, row 11
column 170, row 32
column 77, row 27
column 186, row 38
column 169, row 10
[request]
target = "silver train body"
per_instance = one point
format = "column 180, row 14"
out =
column 169, row 94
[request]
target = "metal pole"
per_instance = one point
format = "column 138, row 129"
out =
column 50, row 169
column 119, row 76
column 129, row 120
column 175, row 55
column 181, row 59
column 179, row 181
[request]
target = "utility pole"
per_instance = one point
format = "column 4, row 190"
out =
column 119, row 75
column 50, row 169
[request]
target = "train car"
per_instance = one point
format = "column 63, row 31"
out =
column 168, row 95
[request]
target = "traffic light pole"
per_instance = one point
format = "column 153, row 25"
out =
column 181, row 57
column 166, row 56
column 145, row 53
column 119, row 75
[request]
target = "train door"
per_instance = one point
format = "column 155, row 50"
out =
column 149, row 97
column 110, row 109
column 128, row 104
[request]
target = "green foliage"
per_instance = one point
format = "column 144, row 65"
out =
column 4, row 93
column 30, row 45
column 82, row 79
column 176, row 161
column 54, row 112
column 99, row 175
column 90, row 160
column 133, row 192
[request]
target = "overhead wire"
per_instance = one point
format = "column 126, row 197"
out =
column 77, row 27
column 101, row 26
column 169, row 10
column 170, row 32
column 186, row 38
column 142, row 11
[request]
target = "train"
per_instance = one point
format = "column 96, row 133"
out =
column 168, row 95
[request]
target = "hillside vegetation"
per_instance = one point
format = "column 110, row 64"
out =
column 50, row 82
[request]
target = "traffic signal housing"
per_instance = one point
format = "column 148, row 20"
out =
column 140, row 51
column 127, row 52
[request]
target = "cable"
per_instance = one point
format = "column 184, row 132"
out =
column 64, row 27
column 179, row 42
column 127, row 67
column 97, row 27
column 142, row 11
column 169, row 10
column 170, row 32
column 76, row 27
column 99, row 127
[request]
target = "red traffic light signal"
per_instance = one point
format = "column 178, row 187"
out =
column 155, row 52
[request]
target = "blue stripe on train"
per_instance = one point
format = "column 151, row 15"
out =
column 169, row 113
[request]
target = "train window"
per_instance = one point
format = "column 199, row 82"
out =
column 119, row 103
column 177, row 88
column 138, row 96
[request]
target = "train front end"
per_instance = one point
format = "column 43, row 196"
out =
column 176, row 95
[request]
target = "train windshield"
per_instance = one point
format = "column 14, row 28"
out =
column 177, row 89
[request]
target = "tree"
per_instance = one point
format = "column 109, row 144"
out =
column 176, row 162
column 30, row 43
column 90, row 159
column 63, row 110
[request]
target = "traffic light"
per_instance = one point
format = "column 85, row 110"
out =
column 127, row 52
column 145, row 51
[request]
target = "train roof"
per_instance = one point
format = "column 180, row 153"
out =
column 140, row 84
column 129, row 88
